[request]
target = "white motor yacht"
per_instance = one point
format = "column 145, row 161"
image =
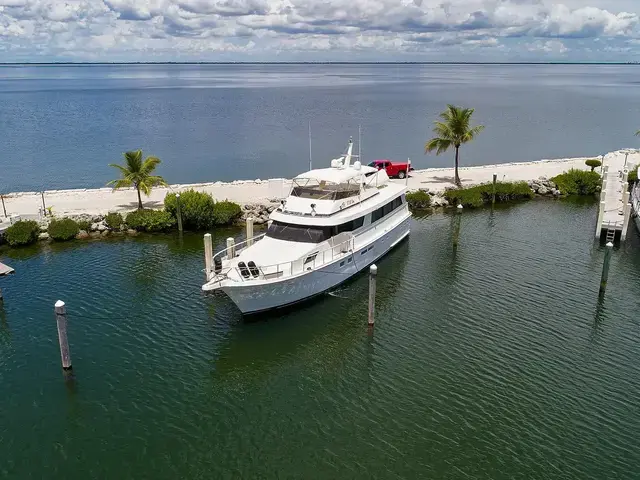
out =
column 335, row 222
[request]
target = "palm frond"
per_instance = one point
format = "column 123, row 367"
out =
column 440, row 145
column 120, row 183
column 149, row 165
column 637, row 134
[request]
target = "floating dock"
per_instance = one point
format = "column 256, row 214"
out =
column 614, row 209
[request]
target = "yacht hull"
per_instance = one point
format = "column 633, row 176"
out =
column 253, row 299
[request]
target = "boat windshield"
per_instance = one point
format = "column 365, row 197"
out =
column 298, row 233
column 324, row 190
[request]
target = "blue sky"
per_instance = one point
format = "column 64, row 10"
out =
column 308, row 30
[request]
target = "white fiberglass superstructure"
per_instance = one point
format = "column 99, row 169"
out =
column 335, row 222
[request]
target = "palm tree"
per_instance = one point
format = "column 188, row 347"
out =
column 453, row 131
column 138, row 174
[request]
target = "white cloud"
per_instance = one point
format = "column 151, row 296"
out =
column 264, row 29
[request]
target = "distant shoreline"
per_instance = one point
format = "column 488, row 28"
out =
column 2, row 64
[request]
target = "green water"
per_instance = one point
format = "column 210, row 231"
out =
column 496, row 361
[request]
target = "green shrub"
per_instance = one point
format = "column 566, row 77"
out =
column 23, row 232
column 114, row 220
column 578, row 182
column 633, row 176
column 225, row 213
column 63, row 229
column 84, row 225
column 593, row 163
column 419, row 199
column 480, row 194
column 150, row 220
column 197, row 209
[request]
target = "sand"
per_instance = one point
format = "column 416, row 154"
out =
column 103, row 200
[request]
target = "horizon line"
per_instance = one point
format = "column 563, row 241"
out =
column 315, row 63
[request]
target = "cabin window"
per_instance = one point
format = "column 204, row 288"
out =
column 349, row 226
column 298, row 233
column 386, row 209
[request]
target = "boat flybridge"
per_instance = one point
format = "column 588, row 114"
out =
column 335, row 222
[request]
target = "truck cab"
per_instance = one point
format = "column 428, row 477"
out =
column 393, row 169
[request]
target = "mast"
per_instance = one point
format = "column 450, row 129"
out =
column 360, row 144
column 347, row 157
column 310, row 160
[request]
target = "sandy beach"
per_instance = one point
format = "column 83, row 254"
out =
column 103, row 200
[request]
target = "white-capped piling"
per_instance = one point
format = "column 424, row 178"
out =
column 456, row 229
column 493, row 191
column 61, row 321
column 208, row 255
column 373, row 273
column 605, row 268
column 179, row 212
column 249, row 231
column 231, row 248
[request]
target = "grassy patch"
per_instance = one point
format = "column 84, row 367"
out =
column 418, row 200
column 480, row 194
column 578, row 182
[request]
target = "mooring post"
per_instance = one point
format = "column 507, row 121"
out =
column 249, row 231
column 4, row 209
column 179, row 212
column 1, row 297
column 44, row 207
column 456, row 230
column 61, row 320
column 408, row 170
column 493, row 192
column 231, row 248
column 605, row 268
column 208, row 255
column 373, row 273
column 600, row 218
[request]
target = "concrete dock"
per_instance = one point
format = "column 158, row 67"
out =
column 615, row 210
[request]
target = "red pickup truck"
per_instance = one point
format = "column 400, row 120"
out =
column 394, row 169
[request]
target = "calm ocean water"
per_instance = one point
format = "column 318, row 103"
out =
column 62, row 125
column 496, row 361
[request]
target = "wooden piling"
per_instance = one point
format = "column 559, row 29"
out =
column 373, row 273
column 44, row 207
column 249, row 231
column 4, row 209
column 179, row 212
column 61, row 320
column 208, row 255
column 493, row 192
column 231, row 248
column 1, row 297
column 605, row 268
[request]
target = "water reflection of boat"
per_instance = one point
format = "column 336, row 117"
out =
column 335, row 222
